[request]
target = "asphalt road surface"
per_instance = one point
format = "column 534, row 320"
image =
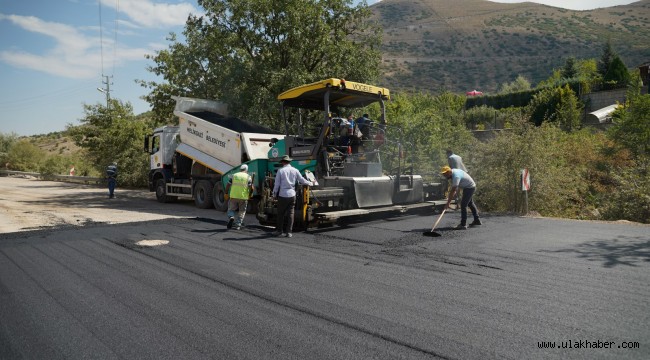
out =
column 376, row 289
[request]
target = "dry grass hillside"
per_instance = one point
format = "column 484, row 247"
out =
column 55, row 143
column 463, row 45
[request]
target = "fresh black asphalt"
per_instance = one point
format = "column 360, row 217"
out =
column 375, row 289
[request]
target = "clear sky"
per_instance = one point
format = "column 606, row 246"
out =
column 53, row 54
column 574, row 4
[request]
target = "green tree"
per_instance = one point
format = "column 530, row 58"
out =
column 6, row 142
column 558, row 105
column 569, row 109
column 630, row 199
column 617, row 73
column 25, row 156
column 606, row 59
column 55, row 165
column 588, row 74
column 544, row 105
column 583, row 70
column 110, row 134
column 631, row 127
column 247, row 52
column 557, row 189
column 570, row 69
column 427, row 125
column 587, row 68
column 519, row 84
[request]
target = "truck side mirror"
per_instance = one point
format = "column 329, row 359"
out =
column 146, row 143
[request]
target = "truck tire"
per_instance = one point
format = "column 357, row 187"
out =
column 219, row 197
column 203, row 194
column 161, row 192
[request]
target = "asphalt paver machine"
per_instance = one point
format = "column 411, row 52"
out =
column 344, row 164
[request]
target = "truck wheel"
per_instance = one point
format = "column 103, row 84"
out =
column 161, row 192
column 203, row 194
column 219, row 197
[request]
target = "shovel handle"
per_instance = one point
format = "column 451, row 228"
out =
column 439, row 217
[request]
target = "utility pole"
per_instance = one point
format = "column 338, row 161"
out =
column 106, row 90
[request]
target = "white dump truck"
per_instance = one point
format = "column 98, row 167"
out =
column 188, row 160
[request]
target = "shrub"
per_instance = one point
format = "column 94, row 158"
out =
column 542, row 151
column 24, row 156
column 631, row 198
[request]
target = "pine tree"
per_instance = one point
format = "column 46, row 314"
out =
column 570, row 69
column 606, row 59
column 617, row 73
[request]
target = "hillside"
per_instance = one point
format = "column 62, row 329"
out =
column 462, row 45
column 55, row 143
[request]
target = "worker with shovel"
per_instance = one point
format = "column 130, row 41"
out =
column 461, row 179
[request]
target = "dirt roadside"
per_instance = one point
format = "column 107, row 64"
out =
column 28, row 204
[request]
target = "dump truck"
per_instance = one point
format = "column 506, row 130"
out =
column 348, row 176
column 188, row 161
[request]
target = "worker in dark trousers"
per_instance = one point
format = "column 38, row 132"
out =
column 284, row 191
column 111, row 175
column 462, row 180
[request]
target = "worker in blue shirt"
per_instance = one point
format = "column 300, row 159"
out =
column 461, row 180
column 284, row 191
column 111, row 176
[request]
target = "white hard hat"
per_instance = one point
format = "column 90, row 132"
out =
column 244, row 167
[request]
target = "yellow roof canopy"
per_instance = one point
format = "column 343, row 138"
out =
column 342, row 93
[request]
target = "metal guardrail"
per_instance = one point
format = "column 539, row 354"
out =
column 64, row 178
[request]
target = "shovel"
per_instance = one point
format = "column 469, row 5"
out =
column 433, row 233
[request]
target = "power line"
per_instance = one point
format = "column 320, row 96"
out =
column 52, row 94
column 117, row 14
column 101, row 36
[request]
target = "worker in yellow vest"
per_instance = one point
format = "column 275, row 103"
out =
column 240, row 189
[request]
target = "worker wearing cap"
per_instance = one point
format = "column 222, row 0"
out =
column 461, row 180
column 455, row 161
column 284, row 190
column 240, row 189
column 111, row 177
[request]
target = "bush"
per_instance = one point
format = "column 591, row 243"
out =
column 631, row 198
column 556, row 188
column 53, row 165
column 25, row 156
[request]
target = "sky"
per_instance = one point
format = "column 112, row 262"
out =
column 55, row 54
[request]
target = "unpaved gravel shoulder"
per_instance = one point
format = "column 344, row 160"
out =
column 27, row 203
